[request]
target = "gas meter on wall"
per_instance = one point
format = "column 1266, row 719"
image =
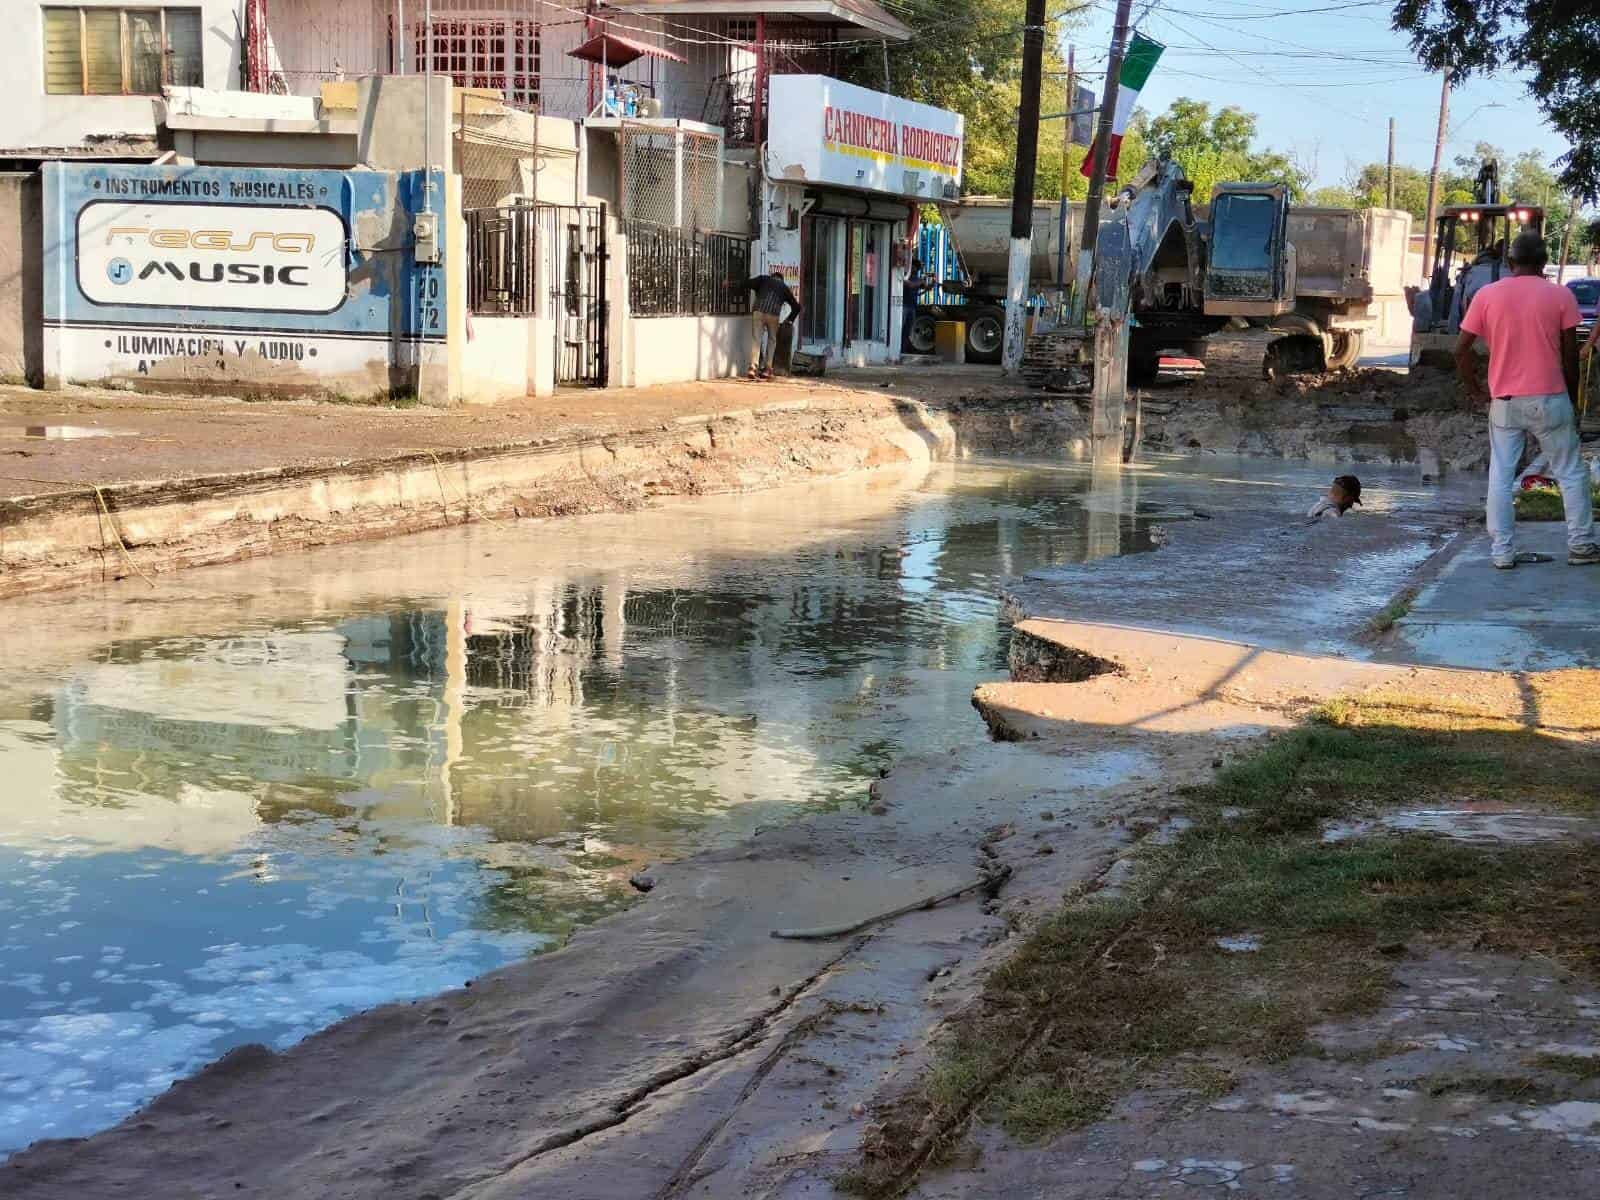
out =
column 425, row 233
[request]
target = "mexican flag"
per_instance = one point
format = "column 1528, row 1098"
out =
column 1137, row 64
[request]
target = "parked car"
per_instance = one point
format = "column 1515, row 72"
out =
column 1587, row 292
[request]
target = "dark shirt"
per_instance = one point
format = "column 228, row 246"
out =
column 772, row 294
column 913, row 287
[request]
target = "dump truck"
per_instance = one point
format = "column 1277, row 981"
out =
column 979, row 232
column 1335, row 269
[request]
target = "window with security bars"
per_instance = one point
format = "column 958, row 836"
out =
column 484, row 52
column 120, row 51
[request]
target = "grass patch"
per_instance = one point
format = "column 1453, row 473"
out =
column 1108, row 995
column 1519, row 1089
column 1580, row 1066
column 1543, row 504
column 1393, row 611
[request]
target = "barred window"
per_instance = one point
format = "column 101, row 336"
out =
column 479, row 52
column 120, row 51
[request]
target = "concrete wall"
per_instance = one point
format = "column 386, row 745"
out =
column 507, row 358
column 121, row 307
column 603, row 172
column 32, row 120
column 396, row 124
column 738, row 180
column 21, row 278
column 679, row 349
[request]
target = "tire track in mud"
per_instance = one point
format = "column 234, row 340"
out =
column 626, row 1106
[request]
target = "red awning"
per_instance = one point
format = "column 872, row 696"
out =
column 617, row 51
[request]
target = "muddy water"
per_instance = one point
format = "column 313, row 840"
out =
column 256, row 799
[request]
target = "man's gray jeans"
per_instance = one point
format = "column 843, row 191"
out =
column 1553, row 424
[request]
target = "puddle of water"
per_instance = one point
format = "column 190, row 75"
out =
column 266, row 796
column 245, row 807
column 1509, row 827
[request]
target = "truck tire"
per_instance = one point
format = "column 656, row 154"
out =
column 1344, row 350
column 1295, row 354
column 986, row 334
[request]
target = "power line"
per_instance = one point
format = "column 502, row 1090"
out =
column 1285, row 12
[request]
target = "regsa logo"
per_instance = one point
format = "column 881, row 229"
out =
column 213, row 241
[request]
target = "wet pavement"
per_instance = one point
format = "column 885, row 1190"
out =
column 1254, row 570
column 1538, row 617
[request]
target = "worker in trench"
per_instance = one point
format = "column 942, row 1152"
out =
column 1531, row 328
column 1343, row 494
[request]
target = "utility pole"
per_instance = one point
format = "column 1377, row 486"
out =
column 1062, row 224
column 1566, row 235
column 1428, row 248
column 1102, row 152
column 1389, row 195
column 1022, row 191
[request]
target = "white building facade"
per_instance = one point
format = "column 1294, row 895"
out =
column 847, row 172
column 690, row 141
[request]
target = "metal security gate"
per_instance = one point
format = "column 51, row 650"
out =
column 576, row 237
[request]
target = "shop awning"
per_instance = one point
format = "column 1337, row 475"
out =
column 614, row 50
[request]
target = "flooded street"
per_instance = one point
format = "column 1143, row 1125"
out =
column 255, row 799
column 259, row 798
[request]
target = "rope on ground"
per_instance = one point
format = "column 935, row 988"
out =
column 467, row 505
column 990, row 881
column 122, row 543
column 104, row 509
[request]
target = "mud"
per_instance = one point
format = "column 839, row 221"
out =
column 1366, row 415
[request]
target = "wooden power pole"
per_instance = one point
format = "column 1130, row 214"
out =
column 1062, row 224
column 1566, row 236
column 1102, row 151
column 1428, row 248
column 1022, row 191
column 1388, row 201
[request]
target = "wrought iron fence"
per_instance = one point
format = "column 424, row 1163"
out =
column 685, row 273
column 502, row 261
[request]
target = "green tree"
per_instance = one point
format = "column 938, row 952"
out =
column 1333, row 196
column 1554, row 40
column 1217, row 147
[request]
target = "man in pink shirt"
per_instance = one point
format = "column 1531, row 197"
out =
column 1531, row 327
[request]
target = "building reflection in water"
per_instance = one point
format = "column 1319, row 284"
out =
column 434, row 787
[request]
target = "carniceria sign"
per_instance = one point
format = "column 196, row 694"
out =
column 826, row 131
column 217, row 273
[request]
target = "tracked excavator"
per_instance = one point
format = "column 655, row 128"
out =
column 1168, row 278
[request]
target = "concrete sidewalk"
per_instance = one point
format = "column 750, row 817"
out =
column 1535, row 618
column 55, row 441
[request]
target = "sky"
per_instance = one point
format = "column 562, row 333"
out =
column 1323, row 85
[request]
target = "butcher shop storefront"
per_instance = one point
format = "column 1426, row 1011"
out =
column 847, row 172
